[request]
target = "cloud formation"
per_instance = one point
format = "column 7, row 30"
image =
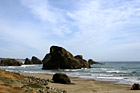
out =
column 100, row 29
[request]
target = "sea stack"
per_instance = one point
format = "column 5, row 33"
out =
column 35, row 60
column 28, row 61
column 60, row 58
column 10, row 62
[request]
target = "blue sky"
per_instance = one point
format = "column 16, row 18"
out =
column 98, row 29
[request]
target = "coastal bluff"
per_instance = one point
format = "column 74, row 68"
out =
column 60, row 58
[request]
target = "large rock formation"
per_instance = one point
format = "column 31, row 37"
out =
column 61, row 78
column 91, row 62
column 28, row 61
column 59, row 58
column 10, row 62
column 35, row 60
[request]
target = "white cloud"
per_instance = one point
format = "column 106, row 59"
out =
column 93, row 18
column 40, row 9
column 86, row 28
column 53, row 17
column 96, row 21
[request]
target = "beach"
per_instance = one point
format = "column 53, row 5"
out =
column 70, row 46
column 80, row 85
column 111, row 77
column 11, row 82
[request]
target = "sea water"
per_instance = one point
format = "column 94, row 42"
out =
column 121, row 72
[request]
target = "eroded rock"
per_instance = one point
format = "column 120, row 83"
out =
column 59, row 58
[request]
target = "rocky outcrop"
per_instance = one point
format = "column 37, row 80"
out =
column 59, row 58
column 11, row 82
column 31, row 79
column 80, row 58
column 61, row 78
column 35, row 60
column 28, row 61
column 91, row 62
column 10, row 62
column 135, row 87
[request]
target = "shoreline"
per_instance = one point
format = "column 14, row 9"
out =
column 124, row 75
column 82, row 85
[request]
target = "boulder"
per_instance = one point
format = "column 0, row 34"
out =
column 59, row 58
column 61, row 78
column 91, row 62
column 10, row 62
column 35, row 60
column 28, row 61
column 135, row 87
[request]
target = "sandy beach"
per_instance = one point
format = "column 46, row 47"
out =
column 87, row 85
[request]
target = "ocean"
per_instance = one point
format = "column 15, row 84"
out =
column 121, row 72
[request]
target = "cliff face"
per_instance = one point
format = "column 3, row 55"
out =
column 59, row 58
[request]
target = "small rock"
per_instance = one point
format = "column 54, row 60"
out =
column 47, row 87
column 91, row 62
column 61, row 78
column 135, row 87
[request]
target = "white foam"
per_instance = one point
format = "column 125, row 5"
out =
column 27, row 65
column 11, row 67
column 117, row 71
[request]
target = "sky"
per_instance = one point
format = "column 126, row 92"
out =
column 103, row 30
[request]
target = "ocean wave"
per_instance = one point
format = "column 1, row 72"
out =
column 6, row 67
column 117, row 71
column 107, row 72
column 28, row 65
column 72, row 70
column 11, row 67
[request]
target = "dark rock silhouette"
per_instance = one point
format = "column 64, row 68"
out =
column 59, row 58
column 91, row 62
column 135, row 87
column 35, row 60
column 10, row 62
column 61, row 78
column 28, row 61
column 78, row 57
